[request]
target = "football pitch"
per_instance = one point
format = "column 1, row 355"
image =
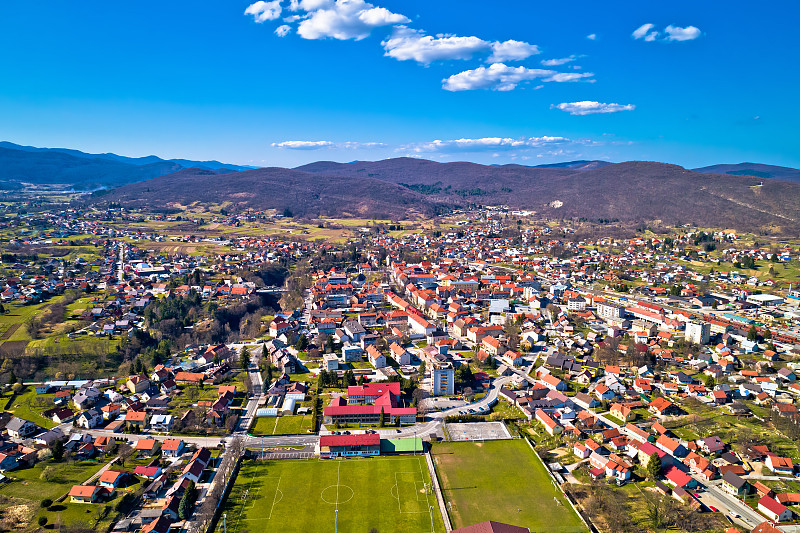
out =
column 502, row 481
column 389, row 494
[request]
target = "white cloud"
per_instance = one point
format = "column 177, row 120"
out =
column 485, row 144
column 303, row 145
column 671, row 33
column 642, row 31
column 560, row 61
column 512, row 51
column 316, row 145
column 676, row 33
column 406, row 43
column 497, row 76
column 561, row 77
column 309, row 5
column 346, row 19
column 353, row 145
column 283, row 31
column 588, row 107
column 501, row 77
column 592, row 36
column 264, row 11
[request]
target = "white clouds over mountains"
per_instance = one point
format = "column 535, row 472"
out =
column 303, row 145
column 485, row 144
column 317, row 145
column 543, row 144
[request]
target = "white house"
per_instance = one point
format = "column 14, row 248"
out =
column 90, row 418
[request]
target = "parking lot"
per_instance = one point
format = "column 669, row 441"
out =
column 440, row 404
column 478, row 431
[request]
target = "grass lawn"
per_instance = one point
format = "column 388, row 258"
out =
column 504, row 409
column 30, row 406
column 385, row 493
column 282, row 425
column 16, row 316
column 27, row 482
column 502, row 481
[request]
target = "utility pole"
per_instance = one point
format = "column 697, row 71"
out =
column 336, row 522
column 225, row 522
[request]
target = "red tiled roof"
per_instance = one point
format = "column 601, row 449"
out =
column 372, row 439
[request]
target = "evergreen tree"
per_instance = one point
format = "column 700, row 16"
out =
column 302, row 342
column 187, row 501
column 752, row 333
column 654, row 466
column 58, row 450
column 383, row 418
column 244, row 357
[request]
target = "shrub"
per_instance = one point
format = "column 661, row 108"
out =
column 48, row 474
column 47, row 502
column 42, row 521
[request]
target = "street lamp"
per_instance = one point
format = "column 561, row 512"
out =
column 336, row 522
column 430, row 509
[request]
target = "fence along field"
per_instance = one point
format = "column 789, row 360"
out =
column 502, row 481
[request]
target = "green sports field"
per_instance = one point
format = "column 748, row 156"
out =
column 390, row 494
column 502, row 481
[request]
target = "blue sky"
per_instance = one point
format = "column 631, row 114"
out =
column 282, row 83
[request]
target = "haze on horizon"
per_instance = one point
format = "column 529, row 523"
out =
column 287, row 82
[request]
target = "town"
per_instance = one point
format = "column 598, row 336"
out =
column 195, row 372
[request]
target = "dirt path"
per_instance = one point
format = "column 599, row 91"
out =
column 10, row 331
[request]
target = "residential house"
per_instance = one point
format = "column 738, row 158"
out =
column 774, row 510
column 19, row 428
column 85, row 493
column 733, row 484
column 136, row 419
column 137, row 384
column 172, row 448
column 621, row 412
column 779, row 465
column 111, row 479
column 90, row 418
column 146, row 447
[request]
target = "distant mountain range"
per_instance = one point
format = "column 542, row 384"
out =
column 635, row 191
column 755, row 169
column 73, row 168
column 745, row 196
column 304, row 193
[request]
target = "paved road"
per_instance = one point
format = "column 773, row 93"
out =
column 730, row 506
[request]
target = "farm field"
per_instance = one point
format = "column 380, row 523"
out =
column 386, row 493
column 502, row 481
